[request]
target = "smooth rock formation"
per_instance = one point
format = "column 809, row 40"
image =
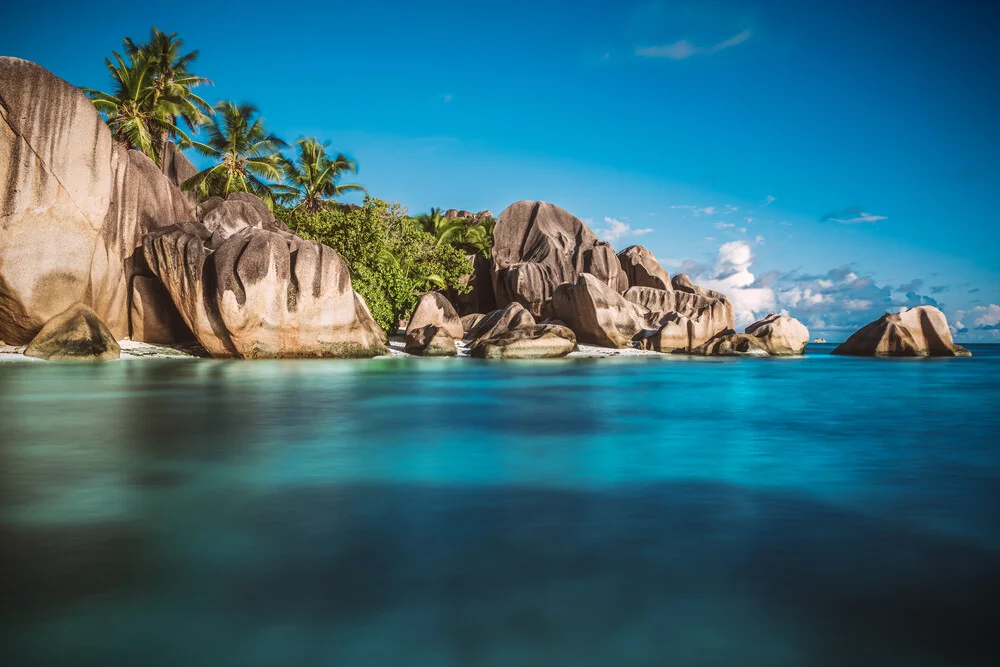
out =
column 781, row 335
column 480, row 298
column 75, row 205
column 154, row 318
column 731, row 344
column 434, row 309
column 681, row 320
column 262, row 293
column 642, row 269
column 538, row 246
column 513, row 316
column 76, row 334
column 539, row 341
column 430, row 341
column 471, row 320
column 596, row 313
column 918, row 332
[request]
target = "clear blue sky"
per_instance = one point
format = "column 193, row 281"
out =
column 831, row 159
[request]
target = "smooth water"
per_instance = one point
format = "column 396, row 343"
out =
column 647, row 511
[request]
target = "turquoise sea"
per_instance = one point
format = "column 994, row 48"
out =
column 636, row 511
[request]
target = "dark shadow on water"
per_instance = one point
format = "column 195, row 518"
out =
column 666, row 574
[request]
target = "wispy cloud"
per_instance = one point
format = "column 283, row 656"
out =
column 724, row 225
column 616, row 229
column 852, row 216
column 768, row 200
column 684, row 49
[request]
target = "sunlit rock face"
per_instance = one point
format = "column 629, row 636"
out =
column 75, row 205
column 781, row 335
column 76, row 334
column 597, row 313
column 642, row 269
column 916, row 332
column 262, row 293
column 434, row 309
column 538, row 246
column 537, row 341
column 681, row 319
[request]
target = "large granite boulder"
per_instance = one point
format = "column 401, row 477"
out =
column 917, row 332
column 434, row 309
column 480, row 297
column 781, row 335
column 539, row 341
column 512, row 316
column 538, row 246
column 153, row 317
column 597, row 313
column 642, row 269
column 430, row 341
column 76, row 334
column 732, row 344
column 681, row 320
column 75, row 205
column 262, row 293
column 470, row 321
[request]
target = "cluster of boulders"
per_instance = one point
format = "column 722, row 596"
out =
column 99, row 244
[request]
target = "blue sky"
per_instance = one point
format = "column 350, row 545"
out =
column 833, row 160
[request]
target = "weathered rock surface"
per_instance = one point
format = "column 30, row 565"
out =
column 782, row 335
column 154, row 318
column 176, row 167
column 538, row 246
column 539, row 341
column 642, row 269
column 597, row 313
column 430, row 341
column 731, row 344
column 480, row 298
column 513, row 316
column 681, row 320
column 434, row 309
column 76, row 334
column 917, row 332
column 262, row 293
column 75, row 205
column 471, row 320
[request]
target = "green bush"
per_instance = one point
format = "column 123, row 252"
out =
column 392, row 259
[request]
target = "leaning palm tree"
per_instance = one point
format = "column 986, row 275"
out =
column 151, row 93
column 311, row 178
column 247, row 156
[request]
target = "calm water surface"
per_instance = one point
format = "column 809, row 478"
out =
column 815, row 511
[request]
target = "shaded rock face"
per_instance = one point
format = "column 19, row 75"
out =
column 471, row 320
column 430, row 341
column 481, row 298
column 642, row 269
column 538, row 246
column 262, row 293
column 538, row 341
column 75, row 205
column 731, row 344
column 434, row 309
column 153, row 316
column 513, row 316
column 598, row 314
column 76, row 334
column 680, row 320
column 176, row 167
column 917, row 332
column 781, row 335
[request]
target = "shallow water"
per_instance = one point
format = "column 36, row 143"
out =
column 646, row 511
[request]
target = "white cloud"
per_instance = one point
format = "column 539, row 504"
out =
column 857, row 304
column 724, row 225
column 616, row 229
column 768, row 200
column 852, row 216
column 684, row 49
column 759, row 239
column 984, row 318
column 729, row 208
column 731, row 275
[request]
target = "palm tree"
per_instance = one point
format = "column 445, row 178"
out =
column 311, row 178
column 152, row 90
column 247, row 156
column 469, row 235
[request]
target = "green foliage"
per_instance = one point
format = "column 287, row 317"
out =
column 392, row 259
column 247, row 157
column 152, row 94
column 312, row 176
column 472, row 236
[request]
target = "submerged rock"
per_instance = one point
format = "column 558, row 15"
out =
column 918, row 332
column 539, row 341
column 782, row 335
column 76, row 334
column 538, row 246
column 642, row 269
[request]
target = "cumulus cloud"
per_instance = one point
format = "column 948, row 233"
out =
column 616, row 229
column 852, row 216
column 684, row 49
column 731, row 275
column 983, row 318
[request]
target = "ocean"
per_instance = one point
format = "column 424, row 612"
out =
column 661, row 511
